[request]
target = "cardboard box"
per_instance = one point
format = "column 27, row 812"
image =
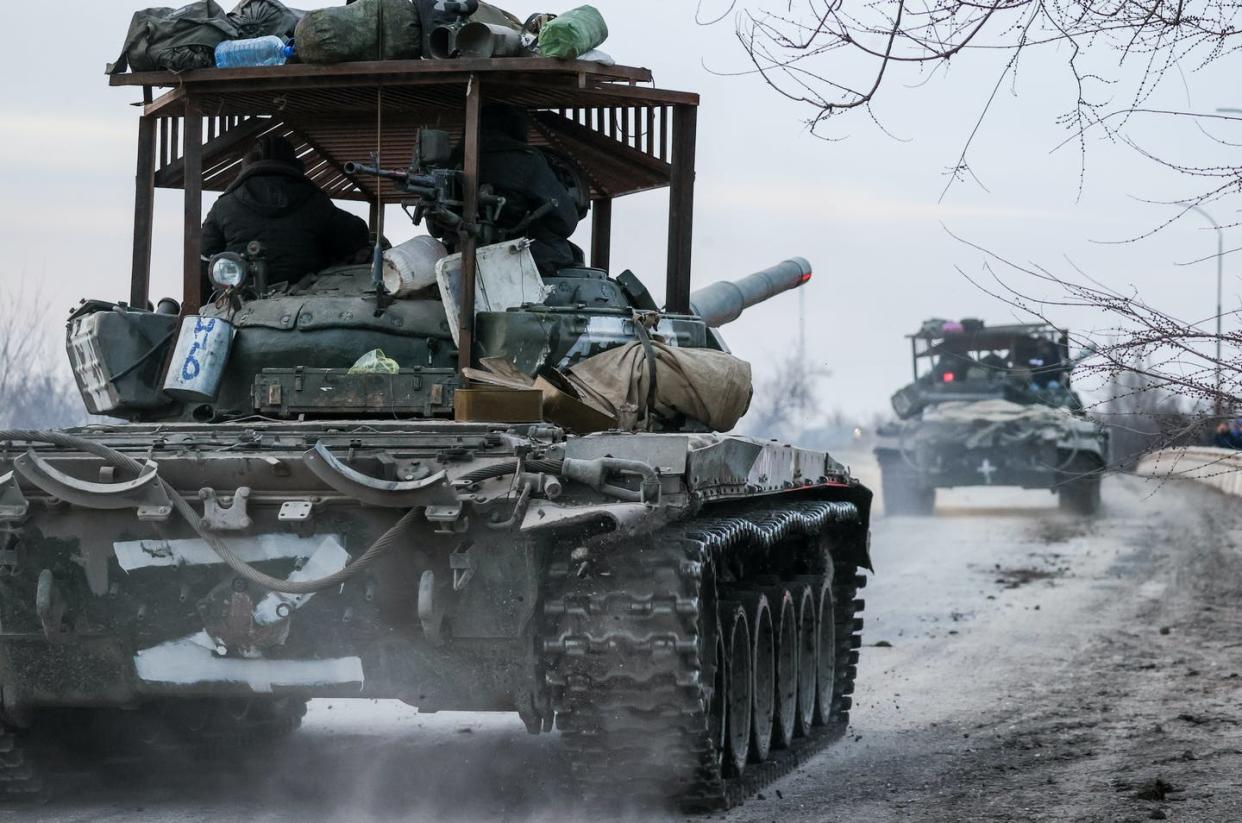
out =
column 493, row 404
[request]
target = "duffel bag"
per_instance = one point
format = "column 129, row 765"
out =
column 346, row 34
column 260, row 18
column 175, row 39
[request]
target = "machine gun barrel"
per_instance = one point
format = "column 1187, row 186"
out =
column 421, row 184
column 355, row 169
column 725, row 301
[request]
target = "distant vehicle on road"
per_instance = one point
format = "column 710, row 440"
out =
column 990, row 406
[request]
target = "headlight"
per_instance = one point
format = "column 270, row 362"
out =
column 227, row 270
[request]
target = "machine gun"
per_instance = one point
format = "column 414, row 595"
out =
column 438, row 194
column 437, row 188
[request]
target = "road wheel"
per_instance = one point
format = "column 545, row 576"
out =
column 763, row 674
column 718, row 713
column 785, row 631
column 808, row 658
column 20, row 781
column 825, row 651
column 1079, row 490
column 229, row 724
column 739, row 681
column 211, row 725
column 905, row 494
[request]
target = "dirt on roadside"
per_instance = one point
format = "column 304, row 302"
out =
column 1146, row 722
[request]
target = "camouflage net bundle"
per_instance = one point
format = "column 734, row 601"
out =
column 366, row 30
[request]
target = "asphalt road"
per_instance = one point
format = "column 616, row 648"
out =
column 1029, row 666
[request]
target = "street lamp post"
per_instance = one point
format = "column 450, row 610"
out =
column 1220, row 311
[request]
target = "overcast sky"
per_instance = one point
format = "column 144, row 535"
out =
column 863, row 209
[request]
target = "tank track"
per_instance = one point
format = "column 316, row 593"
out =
column 625, row 657
column 848, row 615
column 19, row 779
column 221, row 726
column 208, row 728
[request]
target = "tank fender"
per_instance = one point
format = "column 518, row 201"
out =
column 1085, row 437
column 145, row 493
column 667, row 453
column 13, row 504
column 627, row 519
column 856, row 547
column 433, row 491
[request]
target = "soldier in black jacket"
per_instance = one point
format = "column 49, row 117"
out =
column 271, row 201
column 522, row 174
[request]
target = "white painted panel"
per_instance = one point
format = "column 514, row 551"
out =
column 193, row 661
column 507, row 278
column 327, row 560
column 142, row 554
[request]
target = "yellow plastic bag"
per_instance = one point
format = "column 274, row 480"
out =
column 375, row 362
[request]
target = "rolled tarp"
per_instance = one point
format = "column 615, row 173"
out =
column 711, row 387
column 573, row 34
column 347, row 34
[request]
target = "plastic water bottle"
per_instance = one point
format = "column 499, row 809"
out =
column 258, row 51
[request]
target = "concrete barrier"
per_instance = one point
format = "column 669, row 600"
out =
column 1220, row 468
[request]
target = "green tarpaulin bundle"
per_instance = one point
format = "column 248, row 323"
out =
column 346, row 34
column 174, row 39
column 573, row 34
column 259, row 18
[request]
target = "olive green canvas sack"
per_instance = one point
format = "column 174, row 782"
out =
column 573, row 34
column 365, row 30
column 165, row 39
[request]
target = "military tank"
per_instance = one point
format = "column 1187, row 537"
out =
column 990, row 406
column 266, row 522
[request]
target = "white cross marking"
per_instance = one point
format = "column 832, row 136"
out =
column 987, row 470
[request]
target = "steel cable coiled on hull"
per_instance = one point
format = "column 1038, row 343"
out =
column 390, row 540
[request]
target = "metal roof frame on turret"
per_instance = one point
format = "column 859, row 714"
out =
column 983, row 338
column 627, row 138
column 989, row 337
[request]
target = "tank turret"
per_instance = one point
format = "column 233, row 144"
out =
column 724, row 302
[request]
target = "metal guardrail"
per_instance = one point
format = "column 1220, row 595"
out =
column 1220, row 468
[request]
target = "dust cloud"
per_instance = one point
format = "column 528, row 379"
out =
column 365, row 761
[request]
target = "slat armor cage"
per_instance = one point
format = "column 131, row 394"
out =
column 625, row 135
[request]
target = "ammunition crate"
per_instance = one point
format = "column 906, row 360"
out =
column 413, row 392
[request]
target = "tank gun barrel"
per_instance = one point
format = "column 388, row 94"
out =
column 724, row 302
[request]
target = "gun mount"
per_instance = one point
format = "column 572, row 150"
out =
column 437, row 195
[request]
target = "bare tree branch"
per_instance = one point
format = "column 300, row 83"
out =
column 788, row 396
column 1162, row 381
column 36, row 390
column 837, row 55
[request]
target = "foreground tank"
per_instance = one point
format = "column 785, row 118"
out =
column 680, row 604
column 975, row 421
column 340, row 487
